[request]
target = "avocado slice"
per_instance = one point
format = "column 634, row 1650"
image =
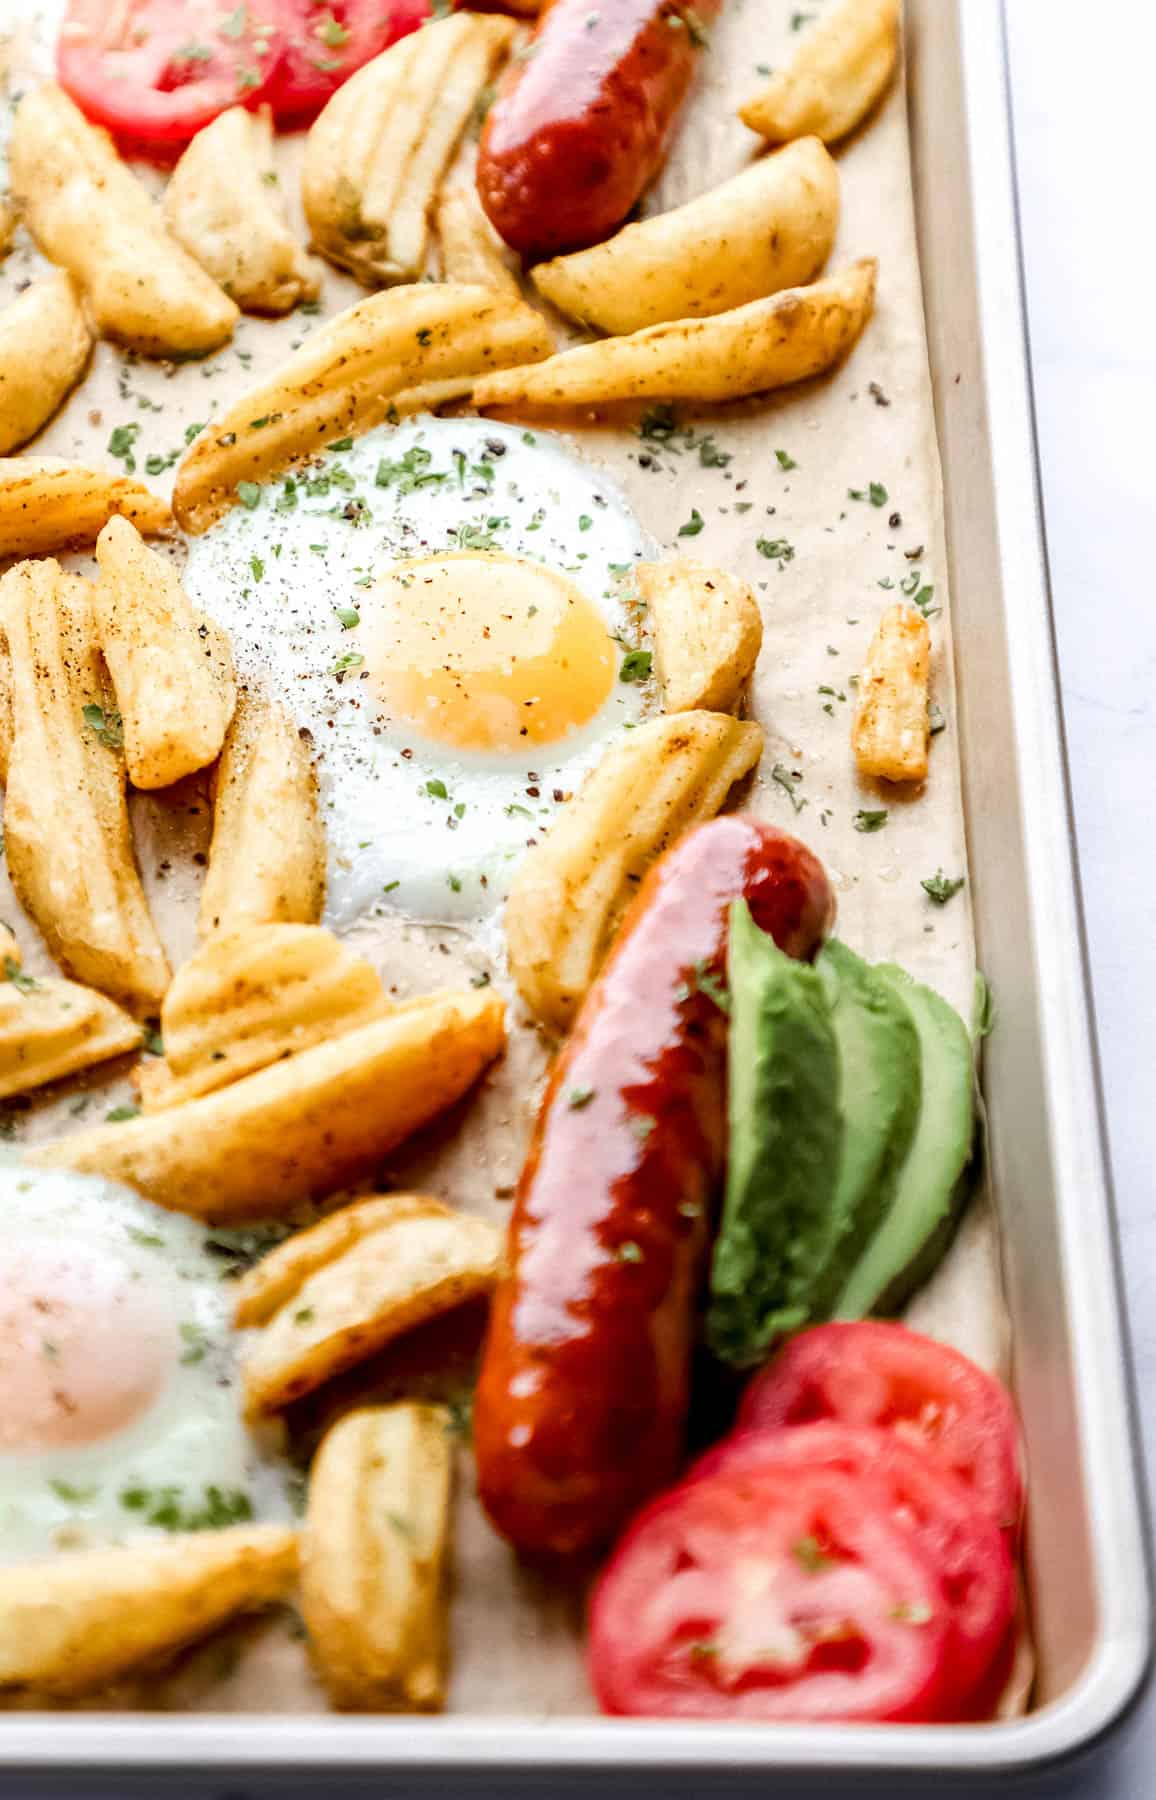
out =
column 881, row 1082
column 785, row 1129
column 933, row 1181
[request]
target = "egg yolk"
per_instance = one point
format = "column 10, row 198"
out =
column 485, row 652
column 83, row 1348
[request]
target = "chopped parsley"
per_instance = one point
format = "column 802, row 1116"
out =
column 579, row 1097
column 348, row 617
column 120, row 444
column 71, row 1494
column 693, row 525
column 436, row 789
column 875, row 492
column 107, row 724
column 629, row 1252
column 166, row 1508
column 348, row 660
column 940, row 887
column 809, row 1555
column 15, row 974
column 784, row 461
column 635, row 666
column 788, row 779
column 118, row 1114
column 195, row 1341
column 870, row 821
column 249, row 494
column 776, row 550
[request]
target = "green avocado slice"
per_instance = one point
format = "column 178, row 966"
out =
column 932, row 1183
column 881, row 1082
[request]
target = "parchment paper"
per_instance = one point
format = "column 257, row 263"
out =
column 516, row 1635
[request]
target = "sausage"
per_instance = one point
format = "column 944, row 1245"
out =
column 581, row 1401
column 581, row 125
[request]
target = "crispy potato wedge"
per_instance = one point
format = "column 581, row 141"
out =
column 375, row 157
column 88, row 213
column 303, row 1127
column 70, row 851
column 572, row 889
column 373, row 1558
column 271, row 1283
column 267, row 857
column 222, row 206
column 82, row 1620
column 766, row 344
column 707, row 632
column 891, row 731
column 172, row 669
column 47, row 504
column 45, row 344
column 398, row 1264
column 837, row 73
column 53, row 1028
column 401, row 352
column 471, row 249
column 251, row 997
column 767, row 228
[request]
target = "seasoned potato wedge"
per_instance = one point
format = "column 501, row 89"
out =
column 171, row 668
column 223, row 207
column 401, row 352
column 373, row 1558
column 53, row 1028
column 767, row 228
column 89, row 1617
column 45, row 344
column 47, row 505
column 303, row 1127
column 470, row 247
column 267, row 858
column 411, row 1262
column 69, row 847
column 271, row 1283
column 250, row 998
column 88, row 213
column 376, row 156
column 766, row 344
column 707, row 632
column 572, row 889
column 892, row 730
column 837, row 73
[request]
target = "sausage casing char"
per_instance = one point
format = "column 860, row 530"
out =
column 580, row 127
column 581, row 1402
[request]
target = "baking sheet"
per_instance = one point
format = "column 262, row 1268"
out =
column 515, row 1637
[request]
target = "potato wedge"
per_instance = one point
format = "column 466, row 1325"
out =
column 251, row 997
column 767, row 228
column 88, row 213
column 838, row 71
column 82, row 1620
column 47, row 504
column 8, row 222
column 51, row 1028
column 172, row 669
column 402, row 352
column 303, row 1127
column 706, row 629
column 471, row 249
column 375, row 157
column 70, row 851
column 571, row 891
column 45, row 345
column 271, row 1283
column 407, row 1265
column 891, row 731
column 267, row 858
column 373, row 1558
column 766, row 344
column 222, row 206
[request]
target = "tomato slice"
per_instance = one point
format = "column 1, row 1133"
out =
column 968, row 1549
column 328, row 41
column 154, row 72
column 877, row 1373
column 788, row 1594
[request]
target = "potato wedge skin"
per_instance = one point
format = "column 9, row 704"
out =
column 891, row 731
column 90, row 214
column 301, row 1128
column 766, row 344
column 572, row 889
column 45, row 345
column 47, row 505
column 767, row 228
column 81, row 1620
column 374, row 1551
column 471, row 250
column 55, row 1028
column 393, row 353
column 838, row 71
column 707, row 632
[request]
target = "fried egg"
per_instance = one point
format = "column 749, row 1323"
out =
column 445, row 607
column 120, row 1413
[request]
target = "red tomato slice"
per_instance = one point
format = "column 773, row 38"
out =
column 328, row 41
column 966, row 1546
column 790, row 1594
column 153, row 72
column 876, row 1373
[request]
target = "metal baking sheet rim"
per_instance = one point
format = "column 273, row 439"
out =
column 1114, row 1675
